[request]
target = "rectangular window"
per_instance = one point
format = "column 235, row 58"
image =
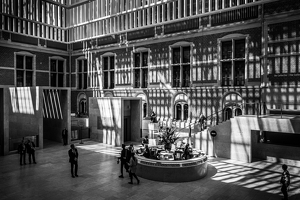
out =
column 181, row 58
column 24, row 71
column 57, row 73
column 82, row 74
column 141, row 69
column 233, row 62
column 109, row 72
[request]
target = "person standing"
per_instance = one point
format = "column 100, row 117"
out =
column 123, row 160
column 145, row 140
column 202, row 122
column 22, row 152
column 146, row 152
column 65, row 136
column 132, row 168
column 73, row 159
column 153, row 117
column 285, row 181
column 30, row 146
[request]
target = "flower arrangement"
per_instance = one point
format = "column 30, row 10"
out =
column 168, row 137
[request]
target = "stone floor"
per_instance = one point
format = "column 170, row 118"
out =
column 98, row 178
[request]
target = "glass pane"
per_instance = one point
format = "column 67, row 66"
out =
column 84, row 80
column 227, row 3
column 226, row 74
column 60, row 80
column 178, row 111
column 105, row 86
column 239, row 73
column 79, row 81
column 53, row 79
column 112, row 62
column 239, row 48
column 176, row 76
column 186, row 112
column 137, row 59
column 145, row 110
column 186, row 76
column 53, row 65
column 176, row 55
column 145, row 59
column 220, row 3
column 28, row 62
column 145, row 78
column 80, row 66
column 105, row 63
column 85, row 66
column 20, row 61
column 20, row 80
column 226, row 50
column 29, row 78
column 112, row 79
column 60, row 66
column 186, row 54
column 137, row 78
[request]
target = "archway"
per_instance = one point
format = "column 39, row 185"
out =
column 232, row 105
column 81, row 104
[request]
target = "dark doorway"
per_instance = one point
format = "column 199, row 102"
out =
column 82, row 106
column 238, row 112
column 127, row 134
column 227, row 114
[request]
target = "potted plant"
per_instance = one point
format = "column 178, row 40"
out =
column 168, row 137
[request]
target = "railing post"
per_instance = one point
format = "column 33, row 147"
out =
column 281, row 110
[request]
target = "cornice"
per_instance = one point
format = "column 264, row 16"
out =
column 26, row 47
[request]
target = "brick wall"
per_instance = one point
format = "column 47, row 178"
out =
column 42, row 63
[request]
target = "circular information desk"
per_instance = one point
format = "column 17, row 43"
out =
column 172, row 171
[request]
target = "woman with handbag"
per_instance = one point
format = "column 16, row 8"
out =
column 132, row 168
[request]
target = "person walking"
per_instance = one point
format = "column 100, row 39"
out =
column 285, row 181
column 123, row 160
column 22, row 152
column 73, row 159
column 65, row 136
column 132, row 168
column 30, row 147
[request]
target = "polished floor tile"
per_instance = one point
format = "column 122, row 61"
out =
column 98, row 178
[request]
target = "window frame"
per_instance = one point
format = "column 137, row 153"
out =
column 181, row 64
column 33, row 70
column 78, row 73
column 109, row 70
column 183, row 116
column 233, row 60
column 57, row 59
column 141, row 68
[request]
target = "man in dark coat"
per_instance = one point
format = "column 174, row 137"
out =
column 30, row 147
column 65, row 136
column 123, row 160
column 22, row 152
column 73, row 159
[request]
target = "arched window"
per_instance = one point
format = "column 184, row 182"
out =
column 82, row 106
column 186, row 112
column 145, row 110
column 178, row 112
